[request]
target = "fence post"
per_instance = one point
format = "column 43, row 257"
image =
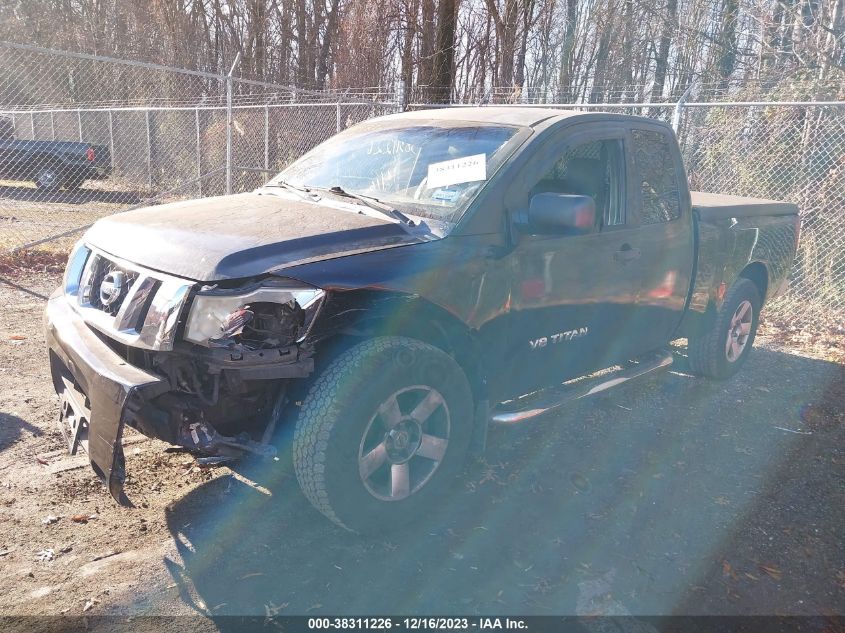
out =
column 32, row 124
column 199, row 150
column 149, row 154
column 402, row 97
column 337, row 115
column 52, row 126
column 79, row 123
column 229, row 124
column 14, row 125
column 111, row 141
column 266, row 142
column 676, row 115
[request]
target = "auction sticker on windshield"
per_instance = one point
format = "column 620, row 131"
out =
column 457, row 171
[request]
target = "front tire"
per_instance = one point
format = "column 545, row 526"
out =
column 48, row 179
column 721, row 348
column 382, row 433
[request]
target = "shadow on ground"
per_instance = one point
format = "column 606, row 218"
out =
column 12, row 428
column 676, row 495
column 79, row 196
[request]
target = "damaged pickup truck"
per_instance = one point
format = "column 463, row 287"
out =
column 400, row 287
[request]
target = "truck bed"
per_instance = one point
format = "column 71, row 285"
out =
column 714, row 206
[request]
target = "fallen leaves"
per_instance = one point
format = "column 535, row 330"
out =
column 83, row 518
column 772, row 571
column 14, row 264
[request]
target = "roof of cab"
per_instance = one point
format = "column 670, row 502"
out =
column 507, row 115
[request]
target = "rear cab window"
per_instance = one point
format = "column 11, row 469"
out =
column 660, row 198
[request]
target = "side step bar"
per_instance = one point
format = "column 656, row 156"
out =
column 552, row 398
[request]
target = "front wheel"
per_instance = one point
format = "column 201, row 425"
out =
column 382, row 433
column 48, row 179
column 720, row 349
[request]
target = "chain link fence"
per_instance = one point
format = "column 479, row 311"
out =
column 793, row 152
column 84, row 136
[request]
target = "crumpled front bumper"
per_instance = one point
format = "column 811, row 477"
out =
column 96, row 386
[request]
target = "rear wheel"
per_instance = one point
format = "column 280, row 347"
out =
column 382, row 433
column 720, row 349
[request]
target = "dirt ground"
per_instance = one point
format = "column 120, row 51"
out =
column 29, row 215
column 672, row 496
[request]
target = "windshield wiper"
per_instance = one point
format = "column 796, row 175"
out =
column 303, row 192
column 372, row 203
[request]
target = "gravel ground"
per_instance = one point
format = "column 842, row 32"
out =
column 28, row 214
column 672, row 496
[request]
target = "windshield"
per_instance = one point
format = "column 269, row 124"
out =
column 427, row 168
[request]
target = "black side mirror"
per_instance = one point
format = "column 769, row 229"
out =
column 559, row 214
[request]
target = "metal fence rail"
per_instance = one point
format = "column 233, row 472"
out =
column 166, row 134
column 156, row 133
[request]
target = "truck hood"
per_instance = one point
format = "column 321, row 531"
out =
column 230, row 237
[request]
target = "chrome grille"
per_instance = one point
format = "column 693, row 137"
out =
column 101, row 268
column 131, row 304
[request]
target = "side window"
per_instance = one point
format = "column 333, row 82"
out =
column 658, row 177
column 594, row 169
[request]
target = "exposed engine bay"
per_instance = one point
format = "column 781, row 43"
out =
column 227, row 376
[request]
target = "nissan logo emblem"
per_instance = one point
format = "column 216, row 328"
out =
column 111, row 288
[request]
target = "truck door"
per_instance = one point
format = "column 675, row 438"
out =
column 666, row 234
column 573, row 296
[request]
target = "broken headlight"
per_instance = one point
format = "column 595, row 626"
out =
column 274, row 313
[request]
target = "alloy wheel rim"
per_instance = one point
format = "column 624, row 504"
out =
column 404, row 443
column 739, row 331
column 47, row 178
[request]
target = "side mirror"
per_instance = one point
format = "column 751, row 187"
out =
column 559, row 214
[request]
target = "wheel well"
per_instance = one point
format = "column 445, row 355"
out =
column 759, row 275
column 386, row 314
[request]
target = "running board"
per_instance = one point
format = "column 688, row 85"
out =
column 552, row 398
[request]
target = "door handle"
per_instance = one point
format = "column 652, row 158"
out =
column 626, row 254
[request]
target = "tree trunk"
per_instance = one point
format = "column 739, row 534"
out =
column 670, row 25
column 519, row 70
column 442, row 75
column 727, row 56
column 427, row 43
column 407, row 70
column 326, row 46
column 565, row 75
column 597, row 91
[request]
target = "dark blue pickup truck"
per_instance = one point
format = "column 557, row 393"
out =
column 51, row 164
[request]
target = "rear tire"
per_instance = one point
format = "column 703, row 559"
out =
column 382, row 433
column 720, row 349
